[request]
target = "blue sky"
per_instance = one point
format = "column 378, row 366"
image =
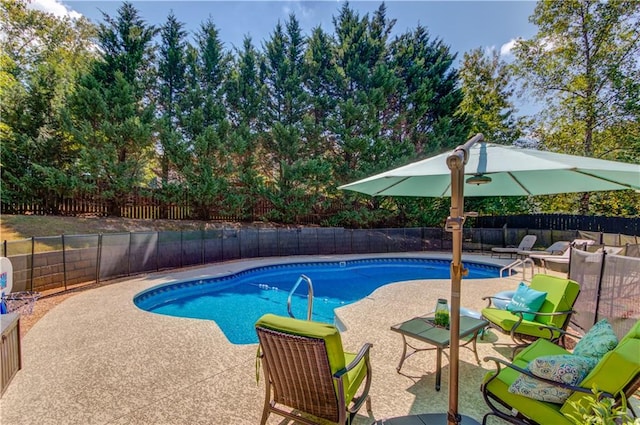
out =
column 463, row 25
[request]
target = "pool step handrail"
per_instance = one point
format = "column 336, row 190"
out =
column 519, row 262
column 309, row 296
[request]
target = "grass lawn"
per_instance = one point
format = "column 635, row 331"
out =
column 16, row 227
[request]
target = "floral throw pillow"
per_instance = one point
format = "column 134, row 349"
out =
column 564, row 368
column 597, row 342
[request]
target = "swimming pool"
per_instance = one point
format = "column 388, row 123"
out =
column 237, row 300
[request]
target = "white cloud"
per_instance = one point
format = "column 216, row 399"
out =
column 506, row 49
column 54, row 7
column 297, row 7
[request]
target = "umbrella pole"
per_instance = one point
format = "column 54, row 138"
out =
column 456, row 162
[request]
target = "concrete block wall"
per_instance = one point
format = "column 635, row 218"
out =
column 49, row 269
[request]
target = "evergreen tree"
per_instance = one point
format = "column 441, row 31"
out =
column 205, row 165
column 486, row 84
column 367, row 83
column 321, row 76
column 430, row 93
column 111, row 114
column 170, row 92
column 244, row 101
column 296, row 176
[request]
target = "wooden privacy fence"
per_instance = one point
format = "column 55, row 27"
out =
column 144, row 204
column 630, row 226
column 148, row 204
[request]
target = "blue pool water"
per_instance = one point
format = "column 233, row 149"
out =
column 236, row 301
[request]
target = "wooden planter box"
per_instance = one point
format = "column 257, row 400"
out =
column 10, row 355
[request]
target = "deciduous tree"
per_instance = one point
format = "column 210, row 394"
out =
column 584, row 64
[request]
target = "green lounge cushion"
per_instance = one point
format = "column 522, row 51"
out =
column 549, row 412
column 612, row 374
column 597, row 342
column 539, row 348
column 354, row 377
column 634, row 332
column 338, row 359
column 545, row 413
column 506, row 320
column 527, row 299
column 564, row 368
column 561, row 295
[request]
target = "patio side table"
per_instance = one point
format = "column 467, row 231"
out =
column 423, row 329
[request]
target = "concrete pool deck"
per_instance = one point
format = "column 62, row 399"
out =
column 97, row 359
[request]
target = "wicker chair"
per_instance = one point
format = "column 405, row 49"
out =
column 307, row 371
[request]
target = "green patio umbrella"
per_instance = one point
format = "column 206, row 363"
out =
column 492, row 170
column 513, row 172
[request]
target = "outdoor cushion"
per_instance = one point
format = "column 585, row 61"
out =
column 507, row 320
column 561, row 295
column 338, row 359
column 564, row 368
column 634, row 332
column 547, row 413
column 612, row 374
column 354, row 377
column 502, row 299
column 527, row 299
column 325, row 331
column 598, row 341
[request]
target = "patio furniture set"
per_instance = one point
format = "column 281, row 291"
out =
column 308, row 375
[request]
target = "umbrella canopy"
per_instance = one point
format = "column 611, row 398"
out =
column 513, row 171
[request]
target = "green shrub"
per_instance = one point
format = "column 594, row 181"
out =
column 602, row 411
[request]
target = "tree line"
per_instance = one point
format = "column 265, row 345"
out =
column 124, row 104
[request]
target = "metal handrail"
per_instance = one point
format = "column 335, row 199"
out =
column 519, row 262
column 309, row 296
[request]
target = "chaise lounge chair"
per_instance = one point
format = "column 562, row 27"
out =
column 557, row 248
column 616, row 372
column 525, row 244
column 547, row 321
column 307, row 371
column 553, row 262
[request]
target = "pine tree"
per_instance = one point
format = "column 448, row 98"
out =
column 487, row 88
column 429, row 95
column 205, row 165
column 296, row 175
column 244, row 101
column 111, row 114
column 365, row 90
column 171, row 86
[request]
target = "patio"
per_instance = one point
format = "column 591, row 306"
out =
column 97, row 359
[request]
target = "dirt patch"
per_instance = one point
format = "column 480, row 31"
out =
column 16, row 227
